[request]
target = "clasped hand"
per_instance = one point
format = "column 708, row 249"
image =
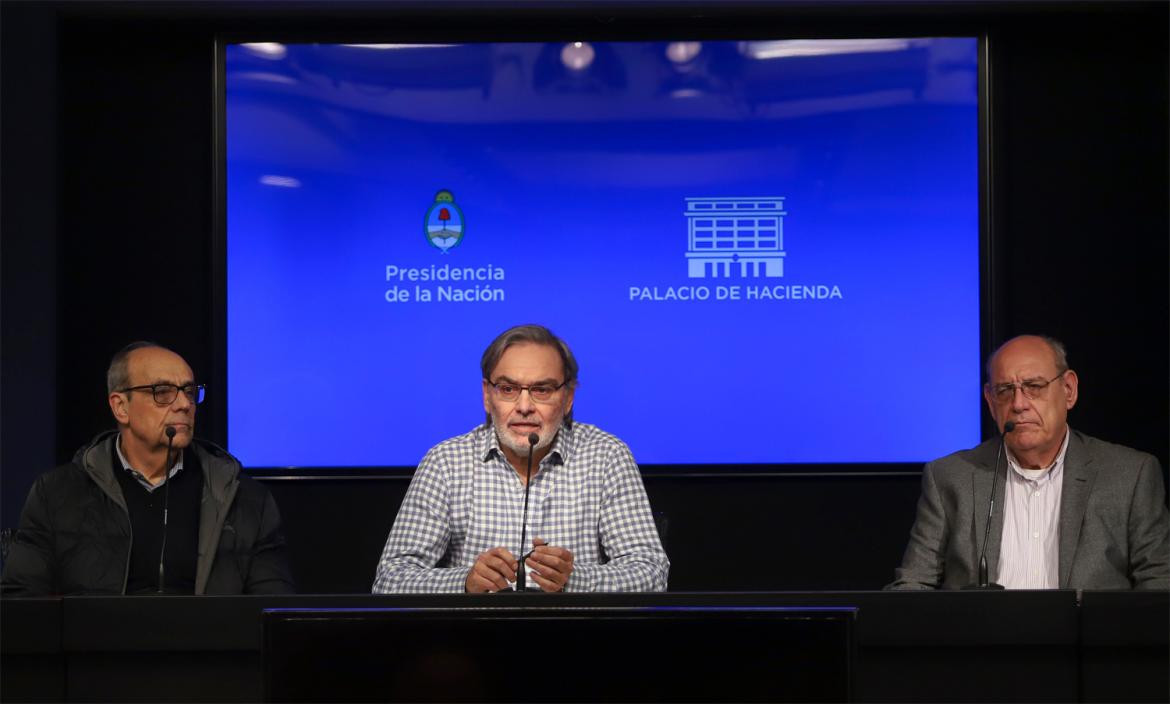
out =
column 493, row 569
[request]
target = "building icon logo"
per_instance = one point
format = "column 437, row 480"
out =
column 735, row 237
column 444, row 222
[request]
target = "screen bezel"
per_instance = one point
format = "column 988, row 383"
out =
column 426, row 29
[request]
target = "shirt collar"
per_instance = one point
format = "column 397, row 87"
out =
column 558, row 454
column 134, row 472
column 1034, row 474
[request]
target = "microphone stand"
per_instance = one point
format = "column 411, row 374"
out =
column 984, row 581
column 521, row 575
column 162, row 553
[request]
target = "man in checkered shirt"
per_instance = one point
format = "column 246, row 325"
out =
column 589, row 523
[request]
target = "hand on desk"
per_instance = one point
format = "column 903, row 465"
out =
column 551, row 565
column 491, row 572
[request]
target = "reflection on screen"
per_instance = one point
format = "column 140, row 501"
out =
column 760, row 251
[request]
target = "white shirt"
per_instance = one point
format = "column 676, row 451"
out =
column 1029, row 555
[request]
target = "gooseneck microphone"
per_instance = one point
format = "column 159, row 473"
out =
column 162, row 553
column 521, row 575
column 984, row 582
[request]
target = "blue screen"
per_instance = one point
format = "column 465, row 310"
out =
column 759, row 251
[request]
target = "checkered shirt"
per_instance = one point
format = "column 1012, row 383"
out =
column 465, row 499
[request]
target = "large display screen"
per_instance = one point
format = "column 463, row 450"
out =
column 761, row 252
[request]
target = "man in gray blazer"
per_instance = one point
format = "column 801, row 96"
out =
column 1071, row 511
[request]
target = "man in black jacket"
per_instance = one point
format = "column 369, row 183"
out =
column 148, row 508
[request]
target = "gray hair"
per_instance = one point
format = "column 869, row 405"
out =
column 536, row 335
column 1059, row 353
column 118, row 374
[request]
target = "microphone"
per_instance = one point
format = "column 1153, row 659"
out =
column 162, row 553
column 521, row 575
column 984, row 582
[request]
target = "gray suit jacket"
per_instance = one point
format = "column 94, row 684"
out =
column 1114, row 526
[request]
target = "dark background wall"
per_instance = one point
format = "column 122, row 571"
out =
column 108, row 230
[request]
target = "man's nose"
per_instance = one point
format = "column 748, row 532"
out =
column 524, row 402
column 182, row 402
column 1020, row 402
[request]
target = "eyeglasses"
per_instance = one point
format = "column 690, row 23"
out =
column 539, row 392
column 1031, row 389
column 165, row 394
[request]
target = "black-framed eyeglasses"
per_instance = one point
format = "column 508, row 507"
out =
column 1031, row 389
column 165, row 394
column 508, row 391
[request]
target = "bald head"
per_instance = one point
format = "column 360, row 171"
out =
column 1034, row 344
column 118, row 373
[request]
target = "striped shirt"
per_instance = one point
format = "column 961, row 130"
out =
column 465, row 499
column 1029, row 555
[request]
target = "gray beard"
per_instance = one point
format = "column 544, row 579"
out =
column 521, row 448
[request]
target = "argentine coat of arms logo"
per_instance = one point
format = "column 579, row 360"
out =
column 444, row 222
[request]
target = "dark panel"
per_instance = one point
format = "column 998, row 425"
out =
column 966, row 674
column 172, row 677
column 32, row 678
column 135, row 228
column 659, row 654
column 1081, row 145
column 31, row 659
column 1125, row 630
column 1146, row 678
column 28, row 250
column 336, row 529
column 1130, row 618
column 784, row 533
column 30, row 625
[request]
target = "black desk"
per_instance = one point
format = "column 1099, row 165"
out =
column 922, row 646
column 560, row 653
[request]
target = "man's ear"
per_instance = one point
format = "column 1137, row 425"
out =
column 119, row 407
column 1071, row 389
column 990, row 399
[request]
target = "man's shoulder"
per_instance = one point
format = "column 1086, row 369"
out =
column 963, row 461
column 219, row 466
column 460, row 450
column 586, row 435
column 591, row 446
column 96, row 455
column 209, row 452
column 1097, row 449
column 65, row 475
column 221, row 469
column 474, row 439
